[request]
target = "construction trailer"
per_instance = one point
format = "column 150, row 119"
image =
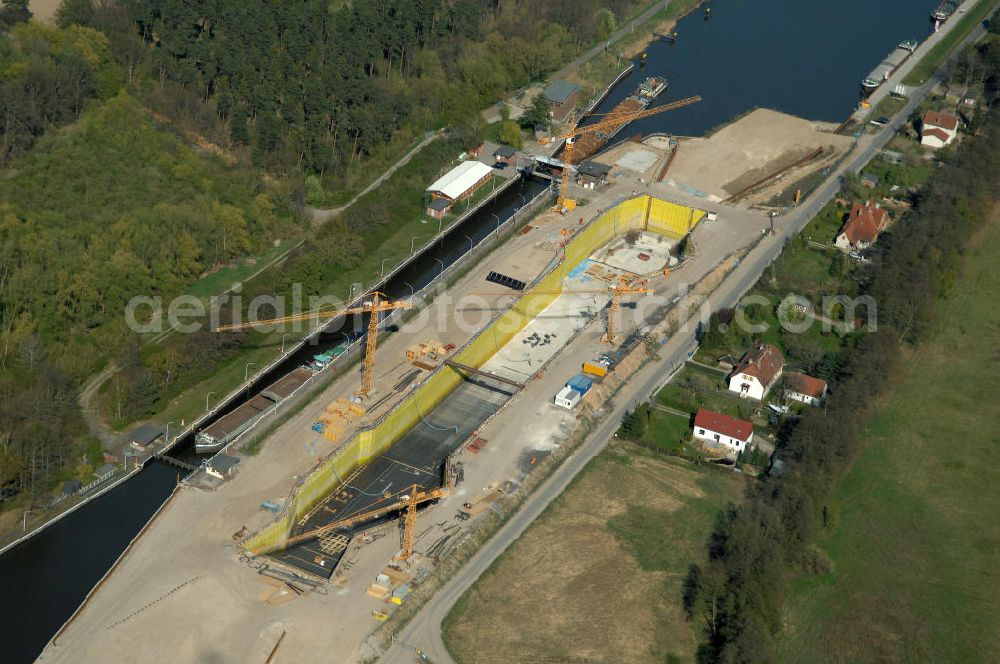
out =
column 567, row 398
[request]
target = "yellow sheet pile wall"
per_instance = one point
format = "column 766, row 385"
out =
column 643, row 212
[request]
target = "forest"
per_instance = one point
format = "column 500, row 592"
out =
column 738, row 596
column 145, row 144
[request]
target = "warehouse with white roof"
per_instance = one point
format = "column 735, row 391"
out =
column 457, row 184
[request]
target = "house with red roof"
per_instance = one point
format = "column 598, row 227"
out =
column 863, row 226
column 732, row 434
column 804, row 388
column 938, row 129
column 757, row 371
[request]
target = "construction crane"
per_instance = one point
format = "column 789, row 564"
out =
column 624, row 286
column 374, row 307
column 607, row 125
column 407, row 499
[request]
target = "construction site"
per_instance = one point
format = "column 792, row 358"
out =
column 352, row 502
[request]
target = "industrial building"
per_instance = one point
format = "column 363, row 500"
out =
column 457, row 184
column 561, row 97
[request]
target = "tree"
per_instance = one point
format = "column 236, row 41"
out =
column 13, row 12
column 606, row 23
column 536, row 115
column 510, row 134
column 75, row 12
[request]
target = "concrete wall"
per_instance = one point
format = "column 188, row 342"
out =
column 642, row 212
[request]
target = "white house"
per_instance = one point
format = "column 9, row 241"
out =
column 938, row 129
column 863, row 226
column 757, row 371
column 722, row 430
column 806, row 389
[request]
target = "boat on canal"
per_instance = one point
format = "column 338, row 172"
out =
column 651, row 88
column 889, row 65
column 945, row 10
column 232, row 425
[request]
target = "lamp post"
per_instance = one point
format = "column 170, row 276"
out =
column 283, row 343
column 440, row 221
column 411, row 287
column 206, row 400
column 441, row 262
column 470, row 242
column 246, row 372
column 24, row 520
column 381, row 272
column 166, row 435
column 497, row 217
column 412, row 241
column 347, row 337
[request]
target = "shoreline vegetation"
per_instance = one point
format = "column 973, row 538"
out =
column 157, row 380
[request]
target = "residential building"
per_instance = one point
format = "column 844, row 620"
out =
column 438, row 207
column 732, row 434
column 804, row 388
column 457, row 184
column 938, row 129
column 869, row 180
column 504, row 154
column 561, row 97
column 863, row 226
column 592, row 174
column 757, row 371
column 222, row 466
column 144, row 436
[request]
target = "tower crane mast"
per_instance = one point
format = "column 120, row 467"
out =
column 610, row 122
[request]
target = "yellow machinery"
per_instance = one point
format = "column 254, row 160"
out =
column 610, row 122
column 407, row 499
column 623, row 286
column 374, row 307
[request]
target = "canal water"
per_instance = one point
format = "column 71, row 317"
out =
column 804, row 57
column 44, row 579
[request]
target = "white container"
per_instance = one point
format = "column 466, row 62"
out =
column 567, row 398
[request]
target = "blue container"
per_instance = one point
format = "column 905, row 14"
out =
column 580, row 383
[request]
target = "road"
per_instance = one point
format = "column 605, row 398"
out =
column 322, row 215
column 424, row 630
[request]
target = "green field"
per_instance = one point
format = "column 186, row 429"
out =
column 914, row 535
column 967, row 22
column 597, row 577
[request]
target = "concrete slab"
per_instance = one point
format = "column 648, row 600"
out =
column 637, row 160
column 621, row 257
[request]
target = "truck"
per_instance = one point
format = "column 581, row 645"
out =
column 595, row 369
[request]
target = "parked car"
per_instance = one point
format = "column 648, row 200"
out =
column 476, row 445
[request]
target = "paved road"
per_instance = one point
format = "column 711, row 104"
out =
column 897, row 78
column 322, row 215
column 424, row 630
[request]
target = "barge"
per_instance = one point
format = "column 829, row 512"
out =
column 945, row 10
column 890, row 64
column 229, row 427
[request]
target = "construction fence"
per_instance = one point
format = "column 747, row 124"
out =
column 640, row 212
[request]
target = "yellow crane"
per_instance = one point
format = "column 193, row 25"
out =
column 407, row 499
column 610, row 122
column 623, row 286
column 373, row 307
